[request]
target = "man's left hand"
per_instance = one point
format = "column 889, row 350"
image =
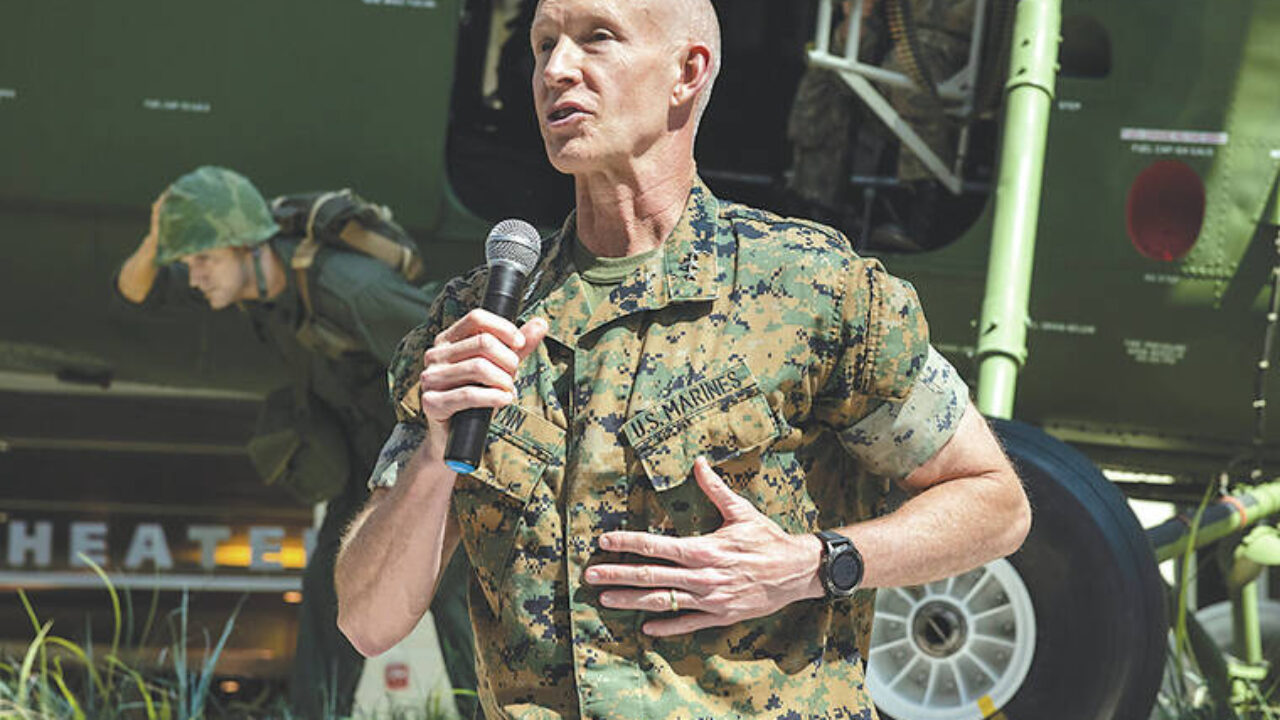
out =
column 748, row 568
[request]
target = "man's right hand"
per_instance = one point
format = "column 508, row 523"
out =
column 152, row 240
column 473, row 364
column 138, row 273
column 383, row 590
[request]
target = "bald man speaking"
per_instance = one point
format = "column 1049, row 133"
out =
column 679, row 508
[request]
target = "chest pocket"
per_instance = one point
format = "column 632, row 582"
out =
column 497, row 506
column 726, row 419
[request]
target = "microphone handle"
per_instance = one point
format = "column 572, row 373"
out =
column 468, row 429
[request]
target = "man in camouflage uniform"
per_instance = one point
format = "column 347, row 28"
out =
column 693, row 388
column 825, row 112
column 213, row 243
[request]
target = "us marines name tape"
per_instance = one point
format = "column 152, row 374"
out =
column 673, row 410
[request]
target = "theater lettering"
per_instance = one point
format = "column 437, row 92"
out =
column 39, row 544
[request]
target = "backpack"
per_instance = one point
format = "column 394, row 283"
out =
column 298, row 442
column 345, row 221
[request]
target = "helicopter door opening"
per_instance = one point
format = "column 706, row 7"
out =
column 957, row 95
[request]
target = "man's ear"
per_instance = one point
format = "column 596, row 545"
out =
column 695, row 74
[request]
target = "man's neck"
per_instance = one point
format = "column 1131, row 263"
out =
column 622, row 215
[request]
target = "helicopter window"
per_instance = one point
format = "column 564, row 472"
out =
column 1086, row 48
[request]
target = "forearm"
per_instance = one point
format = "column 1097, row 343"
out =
column 948, row 529
column 138, row 274
column 393, row 555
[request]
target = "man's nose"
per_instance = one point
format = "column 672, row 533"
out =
column 562, row 66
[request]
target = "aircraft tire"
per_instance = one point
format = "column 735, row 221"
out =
column 1094, row 643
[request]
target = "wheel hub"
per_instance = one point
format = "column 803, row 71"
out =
column 946, row 650
column 939, row 629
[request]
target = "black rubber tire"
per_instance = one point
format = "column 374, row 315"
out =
column 1099, row 600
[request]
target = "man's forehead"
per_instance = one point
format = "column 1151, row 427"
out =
column 562, row 11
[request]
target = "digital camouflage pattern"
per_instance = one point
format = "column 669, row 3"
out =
column 762, row 343
column 211, row 207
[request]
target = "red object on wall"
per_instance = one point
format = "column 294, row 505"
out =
column 1165, row 210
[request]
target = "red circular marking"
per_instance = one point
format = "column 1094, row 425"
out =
column 1165, row 210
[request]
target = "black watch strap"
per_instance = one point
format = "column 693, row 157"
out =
column 841, row 568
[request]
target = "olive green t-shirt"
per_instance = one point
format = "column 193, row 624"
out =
column 600, row 275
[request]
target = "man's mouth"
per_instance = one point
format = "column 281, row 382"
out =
column 564, row 112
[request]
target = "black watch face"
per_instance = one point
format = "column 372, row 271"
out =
column 844, row 571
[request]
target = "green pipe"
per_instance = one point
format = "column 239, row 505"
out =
column 1244, row 624
column 1171, row 538
column 1257, row 551
column 1002, row 333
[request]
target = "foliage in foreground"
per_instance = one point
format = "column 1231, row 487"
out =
column 58, row 679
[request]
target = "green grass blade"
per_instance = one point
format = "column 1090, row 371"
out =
column 35, row 625
column 80, row 655
column 67, row 695
column 24, row 675
column 151, row 617
column 180, row 654
column 211, row 662
column 115, row 600
column 142, row 689
column 31, row 612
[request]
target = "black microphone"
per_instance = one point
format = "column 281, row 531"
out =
column 511, row 252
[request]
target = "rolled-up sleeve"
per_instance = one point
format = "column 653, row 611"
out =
column 399, row 447
column 901, row 435
column 891, row 399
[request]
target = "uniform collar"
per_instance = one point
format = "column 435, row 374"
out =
column 686, row 270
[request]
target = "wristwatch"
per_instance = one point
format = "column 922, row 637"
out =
column 841, row 568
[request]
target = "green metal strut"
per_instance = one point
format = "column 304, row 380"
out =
column 1002, row 333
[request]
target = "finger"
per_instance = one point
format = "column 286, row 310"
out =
column 440, row 406
column 476, row 371
column 484, row 345
column 678, row 550
column 647, row 576
column 732, row 506
column 534, row 331
column 480, row 321
column 655, row 601
column 684, row 624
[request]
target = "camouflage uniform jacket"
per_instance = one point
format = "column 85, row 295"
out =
column 765, row 344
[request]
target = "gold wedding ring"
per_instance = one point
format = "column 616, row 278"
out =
column 675, row 604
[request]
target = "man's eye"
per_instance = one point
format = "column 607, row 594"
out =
column 601, row 36
column 543, row 46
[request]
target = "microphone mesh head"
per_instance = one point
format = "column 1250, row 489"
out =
column 515, row 242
